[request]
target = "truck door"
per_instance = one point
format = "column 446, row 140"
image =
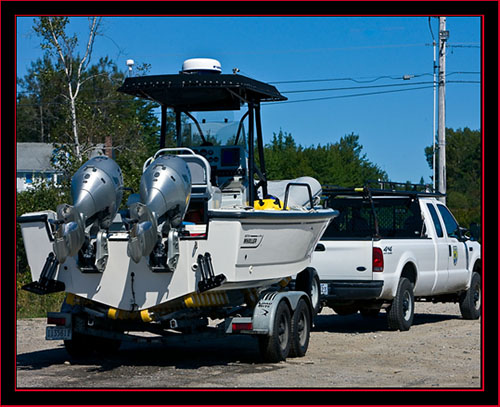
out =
column 441, row 248
column 457, row 252
column 345, row 249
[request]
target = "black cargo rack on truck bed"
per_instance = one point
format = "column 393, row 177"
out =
column 383, row 188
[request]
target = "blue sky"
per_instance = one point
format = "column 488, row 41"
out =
column 394, row 128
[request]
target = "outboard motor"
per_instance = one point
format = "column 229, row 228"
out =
column 165, row 192
column 96, row 190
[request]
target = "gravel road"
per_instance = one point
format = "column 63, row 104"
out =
column 441, row 350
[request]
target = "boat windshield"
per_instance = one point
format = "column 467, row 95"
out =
column 221, row 132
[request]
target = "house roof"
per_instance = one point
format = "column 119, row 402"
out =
column 34, row 157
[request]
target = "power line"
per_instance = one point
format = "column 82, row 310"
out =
column 357, row 80
column 351, row 95
column 355, row 87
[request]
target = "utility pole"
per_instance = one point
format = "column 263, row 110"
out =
column 443, row 37
column 434, row 66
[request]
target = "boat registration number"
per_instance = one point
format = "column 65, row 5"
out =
column 58, row 333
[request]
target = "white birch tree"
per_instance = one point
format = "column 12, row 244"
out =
column 52, row 31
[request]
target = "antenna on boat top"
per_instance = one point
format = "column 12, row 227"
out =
column 201, row 65
column 130, row 64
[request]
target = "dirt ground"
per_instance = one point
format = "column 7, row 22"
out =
column 441, row 350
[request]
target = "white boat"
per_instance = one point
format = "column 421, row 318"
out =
column 204, row 230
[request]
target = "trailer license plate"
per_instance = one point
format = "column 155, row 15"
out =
column 57, row 333
column 324, row 288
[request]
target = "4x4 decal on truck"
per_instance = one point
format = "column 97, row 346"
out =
column 388, row 250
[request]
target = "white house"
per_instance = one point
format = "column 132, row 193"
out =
column 34, row 162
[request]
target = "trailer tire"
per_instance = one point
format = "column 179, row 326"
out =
column 301, row 329
column 276, row 347
column 400, row 312
column 308, row 281
column 470, row 302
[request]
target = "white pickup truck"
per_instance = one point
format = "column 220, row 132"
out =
column 389, row 248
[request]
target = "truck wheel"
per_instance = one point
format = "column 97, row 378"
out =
column 301, row 329
column 308, row 281
column 400, row 312
column 470, row 302
column 276, row 347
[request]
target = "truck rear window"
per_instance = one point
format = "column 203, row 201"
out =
column 397, row 218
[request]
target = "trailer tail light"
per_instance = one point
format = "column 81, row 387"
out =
column 378, row 260
column 242, row 326
column 56, row 321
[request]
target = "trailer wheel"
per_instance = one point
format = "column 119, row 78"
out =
column 308, row 281
column 470, row 302
column 301, row 329
column 400, row 312
column 275, row 348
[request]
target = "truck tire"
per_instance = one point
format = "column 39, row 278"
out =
column 301, row 329
column 308, row 281
column 400, row 312
column 470, row 302
column 276, row 347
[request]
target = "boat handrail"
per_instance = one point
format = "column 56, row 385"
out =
column 297, row 184
column 163, row 150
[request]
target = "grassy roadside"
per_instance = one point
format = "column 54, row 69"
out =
column 29, row 305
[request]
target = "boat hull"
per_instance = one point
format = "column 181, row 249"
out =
column 251, row 248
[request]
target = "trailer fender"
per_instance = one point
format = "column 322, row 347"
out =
column 265, row 310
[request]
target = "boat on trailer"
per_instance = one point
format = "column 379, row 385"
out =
column 207, row 236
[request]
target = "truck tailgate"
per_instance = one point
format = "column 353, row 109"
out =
column 343, row 259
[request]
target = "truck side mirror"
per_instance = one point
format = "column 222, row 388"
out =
column 475, row 231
